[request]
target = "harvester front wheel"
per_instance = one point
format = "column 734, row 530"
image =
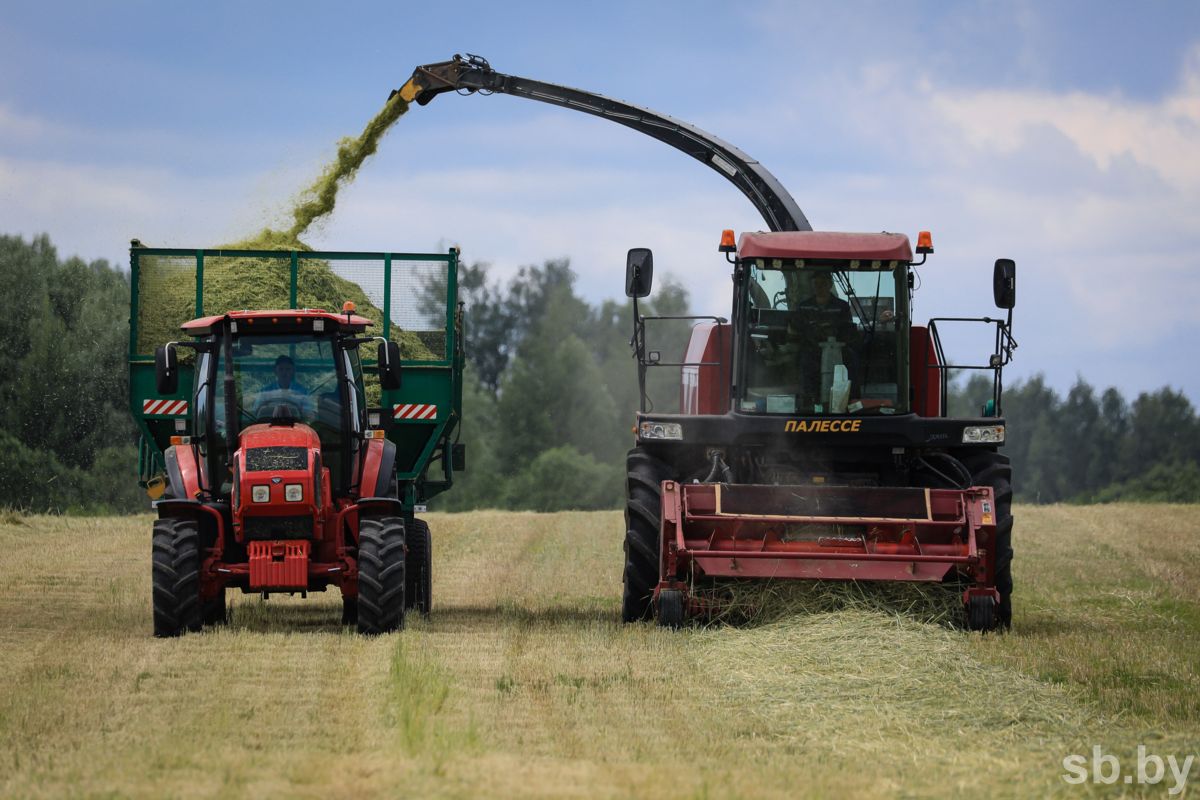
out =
column 176, row 577
column 670, row 608
column 981, row 613
column 992, row 469
column 380, row 575
column 644, row 475
column 418, row 591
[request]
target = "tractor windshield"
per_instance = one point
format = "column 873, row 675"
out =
column 285, row 377
column 824, row 339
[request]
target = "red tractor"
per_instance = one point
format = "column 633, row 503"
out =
column 277, row 466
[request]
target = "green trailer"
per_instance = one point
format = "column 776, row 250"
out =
column 246, row 381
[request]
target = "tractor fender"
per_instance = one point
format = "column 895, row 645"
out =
column 379, row 466
column 183, row 472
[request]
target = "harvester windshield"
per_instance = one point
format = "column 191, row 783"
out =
column 824, row 339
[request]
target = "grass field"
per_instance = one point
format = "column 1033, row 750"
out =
column 523, row 682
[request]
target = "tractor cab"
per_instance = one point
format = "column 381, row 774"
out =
column 260, row 375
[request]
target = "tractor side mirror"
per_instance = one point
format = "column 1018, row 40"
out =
column 1004, row 283
column 639, row 272
column 389, row 365
column 166, row 370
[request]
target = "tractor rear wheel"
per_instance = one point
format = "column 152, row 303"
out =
column 418, row 591
column 175, row 547
column 644, row 475
column 992, row 469
column 380, row 574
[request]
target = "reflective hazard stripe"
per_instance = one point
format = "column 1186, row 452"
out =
column 164, row 408
column 415, row 411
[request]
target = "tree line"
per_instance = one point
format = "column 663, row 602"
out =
column 549, row 398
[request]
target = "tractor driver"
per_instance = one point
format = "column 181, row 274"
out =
column 284, row 390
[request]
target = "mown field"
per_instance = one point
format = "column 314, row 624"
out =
column 524, row 683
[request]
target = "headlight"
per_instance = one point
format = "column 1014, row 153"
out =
column 293, row 493
column 260, row 494
column 983, row 434
column 661, row 430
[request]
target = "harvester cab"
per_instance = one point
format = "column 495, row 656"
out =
column 288, row 450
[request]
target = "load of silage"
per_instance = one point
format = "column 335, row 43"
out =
column 167, row 289
column 760, row 602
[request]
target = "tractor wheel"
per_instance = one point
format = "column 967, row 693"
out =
column 215, row 612
column 981, row 614
column 993, row 469
column 644, row 475
column 418, row 590
column 380, row 575
column 176, row 576
column 670, row 608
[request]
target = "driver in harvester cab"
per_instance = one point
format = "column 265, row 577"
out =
column 283, row 391
column 817, row 322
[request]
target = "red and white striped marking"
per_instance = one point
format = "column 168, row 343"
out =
column 164, row 408
column 415, row 411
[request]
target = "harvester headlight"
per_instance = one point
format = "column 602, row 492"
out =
column 983, row 434
column 661, row 430
column 293, row 493
column 260, row 494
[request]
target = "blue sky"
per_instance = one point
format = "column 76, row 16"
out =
column 1063, row 135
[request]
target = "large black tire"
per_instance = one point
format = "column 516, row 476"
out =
column 993, row 469
column 418, row 590
column 644, row 475
column 380, row 574
column 176, row 577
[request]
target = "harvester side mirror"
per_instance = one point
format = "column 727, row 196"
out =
column 1004, row 283
column 639, row 272
column 166, row 370
column 389, row 365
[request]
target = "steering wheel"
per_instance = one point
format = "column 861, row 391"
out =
column 265, row 407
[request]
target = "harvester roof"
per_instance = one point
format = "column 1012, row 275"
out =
column 825, row 244
column 280, row 321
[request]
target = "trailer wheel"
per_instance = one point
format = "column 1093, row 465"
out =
column 176, row 577
column 380, row 575
column 216, row 612
column 992, row 469
column 670, row 608
column 418, row 590
column 644, row 475
column 349, row 610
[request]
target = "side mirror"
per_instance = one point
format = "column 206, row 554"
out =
column 639, row 272
column 1004, row 283
column 166, row 370
column 389, row 365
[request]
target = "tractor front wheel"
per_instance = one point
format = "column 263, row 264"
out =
column 380, row 575
column 418, row 593
column 644, row 475
column 175, row 578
